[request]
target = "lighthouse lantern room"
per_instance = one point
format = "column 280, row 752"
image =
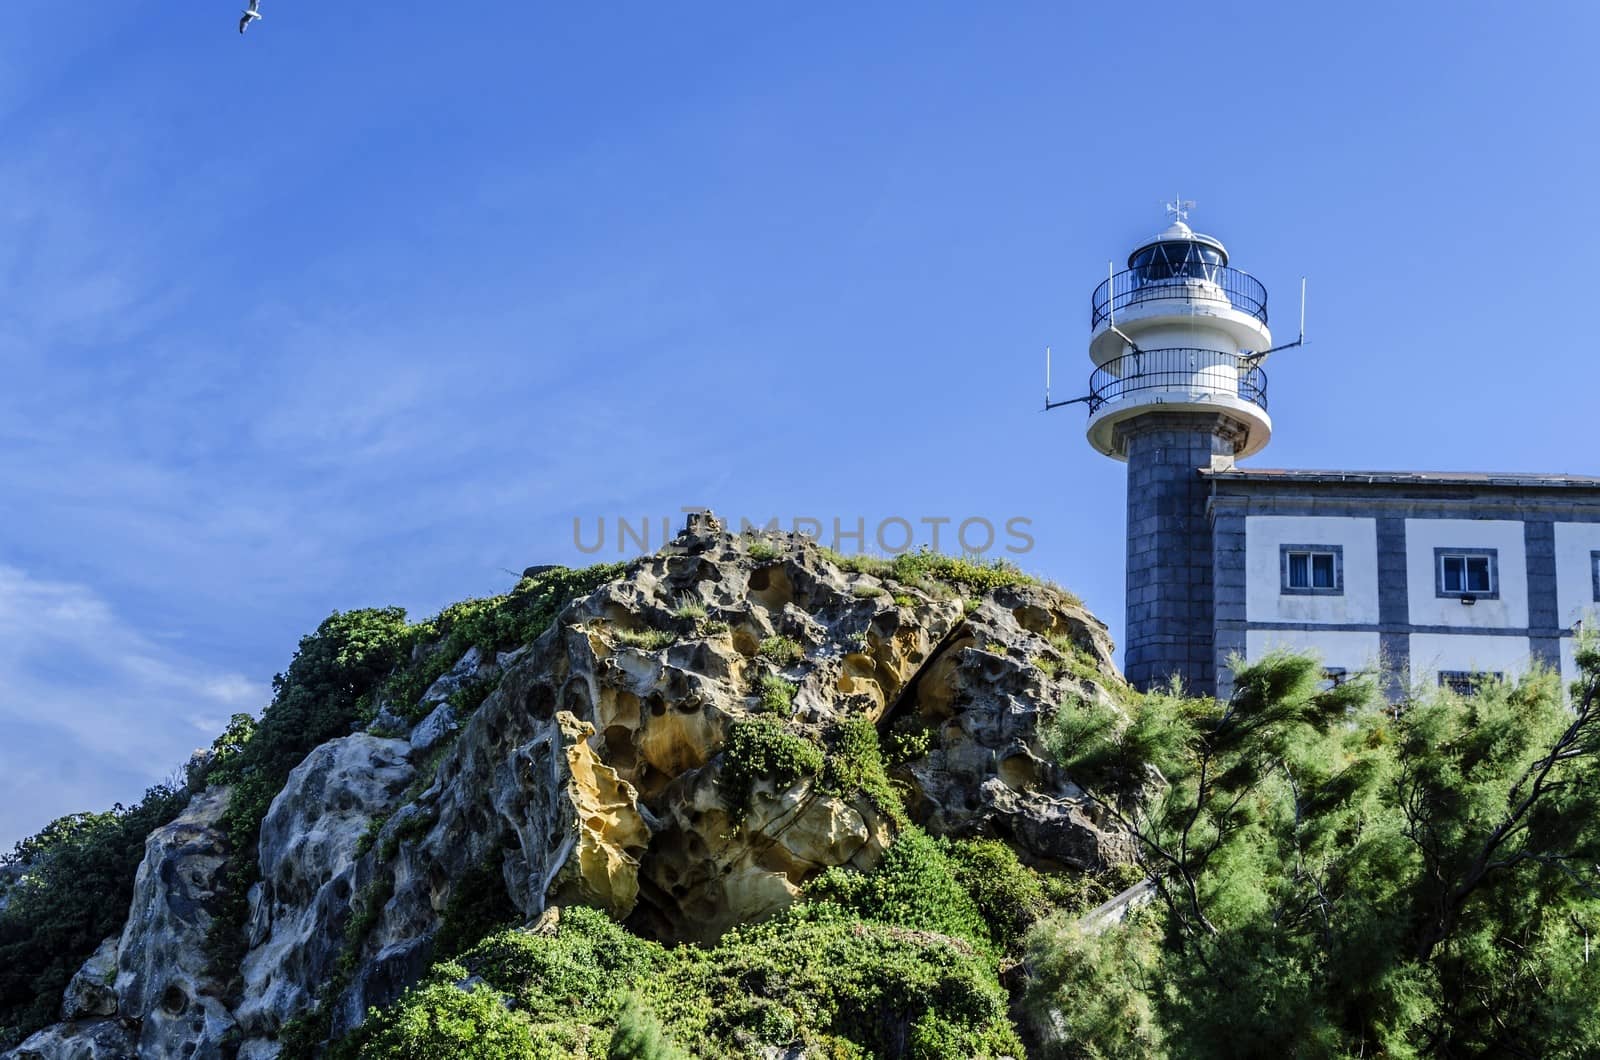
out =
column 1178, row 330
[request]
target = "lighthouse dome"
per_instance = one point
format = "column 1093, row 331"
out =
column 1179, row 252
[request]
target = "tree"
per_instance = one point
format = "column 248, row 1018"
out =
column 1339, row 878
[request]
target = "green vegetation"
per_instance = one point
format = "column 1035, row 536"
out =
column 354, row 659
column 1008, row 895
column 493, row 624
column 640, row 1036
column 646, row 639
column 314, row 701
column 909, row 738
column 904, row 600
column 763, row 551
column 914, row 886
column 936, row 574
column 691, row 610
column 868, row 592
column 854, row 763
column 442, row 1022
column 76, row 890
column 817, row 976
column 777, row 695
column 1337, row 878
column 785, row 651
column 760, row 748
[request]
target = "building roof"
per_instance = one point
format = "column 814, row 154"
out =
column 1503, row 480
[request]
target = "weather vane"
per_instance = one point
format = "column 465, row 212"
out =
column 1179, row 208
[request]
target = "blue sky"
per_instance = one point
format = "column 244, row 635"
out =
column 361, row 310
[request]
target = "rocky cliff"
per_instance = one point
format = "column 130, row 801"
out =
column 680, row 749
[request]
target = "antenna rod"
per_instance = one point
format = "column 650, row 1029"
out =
column 1111, row 293
column 1047, row 377
column 1302, row 309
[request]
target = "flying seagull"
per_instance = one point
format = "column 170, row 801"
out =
column 250, row 15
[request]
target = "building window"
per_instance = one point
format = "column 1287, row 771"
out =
column 1467, row 682
column 1594, row 574
column 1312, row 570
column 1467, row 573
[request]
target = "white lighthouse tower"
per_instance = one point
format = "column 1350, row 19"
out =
column 1177, row 340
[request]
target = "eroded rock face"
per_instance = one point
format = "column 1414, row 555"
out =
column 93, row 991
column 310, row 843
column 105, row 1039
column 594, row 773
column 163, row 979
column 1022, row 653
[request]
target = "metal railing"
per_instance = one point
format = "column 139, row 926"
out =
column 1195, row 281
column 1181, row 370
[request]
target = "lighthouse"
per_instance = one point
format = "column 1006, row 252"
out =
column 1177, row 340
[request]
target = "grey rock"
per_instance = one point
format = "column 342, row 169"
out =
column 310, row 872
column 260, row 1049
column 469, row 669
column 164, row 981
column 382, row 979
column 433, row 729
column 387, row 723
column 92, row 992
column 106, row 1039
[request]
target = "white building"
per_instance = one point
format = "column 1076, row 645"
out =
column 1442, row 577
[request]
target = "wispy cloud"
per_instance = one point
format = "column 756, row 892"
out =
column 94, row 709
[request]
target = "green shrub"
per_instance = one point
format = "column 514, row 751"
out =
column 1045, row 665
column 646, row 639
column 1096, row 989
column 868, row 592
column 1010, row 896
column 479, row 904
column 764, row 551
column 914, row 886
column 581, row 965
column 760, row 748
column 777, row 695
column 843, row 987
column 785, row 651
column 640, row 1036
column 854, row 763
column 853, row 988
column 439, row 1021
column 690, row 610
column 904, row 600
column 909, row 738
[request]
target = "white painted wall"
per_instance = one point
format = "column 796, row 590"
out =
column 1264, row 597
column 1433, row 652
column 1429, row 609
column 1349, row 651
column 1574, row 575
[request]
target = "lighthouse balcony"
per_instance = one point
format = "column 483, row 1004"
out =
column 1197, row 285
column 1180, row 373
column 1174, row 381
